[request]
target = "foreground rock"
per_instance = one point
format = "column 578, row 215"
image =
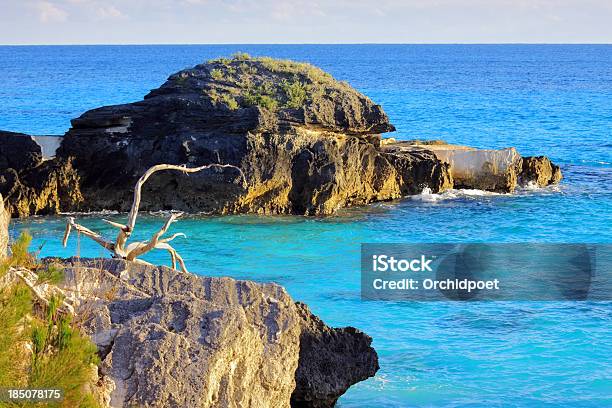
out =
column 330, row 361
column 169, row 339
column 501, row 170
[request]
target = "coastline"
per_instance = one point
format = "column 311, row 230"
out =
column 424, row 216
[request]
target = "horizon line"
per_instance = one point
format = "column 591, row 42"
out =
column 304, row 43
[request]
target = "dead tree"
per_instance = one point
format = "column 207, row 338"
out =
column 130, row 252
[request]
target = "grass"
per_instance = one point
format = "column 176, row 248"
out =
column 269, row 83
column 255, row 98
column 216, row 74
column 42, row 349
column 295, row 92
column 230, row 102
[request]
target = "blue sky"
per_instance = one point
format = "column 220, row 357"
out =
column 302, row 21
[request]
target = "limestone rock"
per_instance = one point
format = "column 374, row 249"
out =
column 327, row 355
column 539, row 170
column 32, row 185
column 18, row 151
column 48, row 188
column 169, row 339
column 307, row 144
column 500, row 170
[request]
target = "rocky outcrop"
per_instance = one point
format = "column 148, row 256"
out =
column 18, row 151
column 5, row 218
column 32, row 185
column 539, row 170
column 307, row 144
column 48, row 188
column 501, row 170
column 171, row 339
column 327, row 355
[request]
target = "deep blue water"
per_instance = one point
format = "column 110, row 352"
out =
column 543, row 99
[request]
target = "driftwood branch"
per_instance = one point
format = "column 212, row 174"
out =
column 87, row 232
column 120, row 248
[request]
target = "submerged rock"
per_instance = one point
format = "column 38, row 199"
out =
column 170, row 339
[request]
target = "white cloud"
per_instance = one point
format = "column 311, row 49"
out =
column 50, row 13
column 109, row 12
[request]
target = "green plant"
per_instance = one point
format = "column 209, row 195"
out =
column 52, row 274
column 60, row 356
column 15, row 305
column 220, row 60
column 20, row 255
column 230, row 101
column 254, row 98
column 241, row 56
column 216, row 74
column 295, row 92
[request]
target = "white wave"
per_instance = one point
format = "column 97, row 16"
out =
column 452, row 194
column 102, row 212
column 533, row 187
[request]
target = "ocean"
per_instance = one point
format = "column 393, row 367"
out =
column 553, row 100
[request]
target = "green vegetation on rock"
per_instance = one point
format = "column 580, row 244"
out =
column 40, row 346
column 266, row 82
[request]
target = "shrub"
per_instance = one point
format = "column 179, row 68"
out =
column 295, row 92
column 220, row 60
column 60, row 356
column 216, row 74
column 230, row 101
column 241, row 56
column 20, row 256
column 254, row 98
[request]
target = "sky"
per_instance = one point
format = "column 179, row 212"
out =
column 303, row 21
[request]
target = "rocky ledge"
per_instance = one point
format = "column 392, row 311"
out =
column 501, row 170
column 305, row 142
column 172, row 339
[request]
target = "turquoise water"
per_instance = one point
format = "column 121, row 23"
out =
column 553, row 100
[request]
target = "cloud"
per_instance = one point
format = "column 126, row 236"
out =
column 50, row 13
column 109, row 12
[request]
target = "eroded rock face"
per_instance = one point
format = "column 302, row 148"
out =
column 307, row 144
column 501, row 170
column 18, row 151
column 539, row 170
column 169, row 339
column 48, row 188
column 32, row 185
column 5, row 218
column 327, row 355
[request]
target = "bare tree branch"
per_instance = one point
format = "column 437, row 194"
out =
column 136, row 249
column 141, row 249
column 87, row 232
